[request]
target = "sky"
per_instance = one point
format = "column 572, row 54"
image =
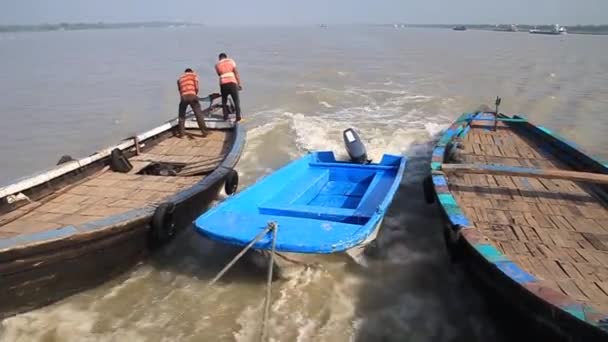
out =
column 307, row 12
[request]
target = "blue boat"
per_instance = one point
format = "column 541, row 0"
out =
column 520, row 205
column 320, row 205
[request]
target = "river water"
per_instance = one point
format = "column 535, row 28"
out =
column 79, row 91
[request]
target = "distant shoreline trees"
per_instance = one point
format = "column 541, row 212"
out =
column 88, row 26
column 580, row 29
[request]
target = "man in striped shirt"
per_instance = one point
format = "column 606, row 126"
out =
column 187, row 85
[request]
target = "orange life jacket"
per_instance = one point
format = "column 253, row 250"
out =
column 225, row 69
column 188, row 84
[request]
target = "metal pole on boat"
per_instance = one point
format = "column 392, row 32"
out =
column 497, row 103
column 268, row 228
column 275, row 229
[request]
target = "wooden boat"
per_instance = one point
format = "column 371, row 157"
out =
column 319, row 204
column 84, row 221
column 526, row 211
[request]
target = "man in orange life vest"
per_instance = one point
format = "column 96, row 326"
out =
column 230, row 83
column 187, row 84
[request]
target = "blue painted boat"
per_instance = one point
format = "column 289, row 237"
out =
column 526, row 212
column 321, row 205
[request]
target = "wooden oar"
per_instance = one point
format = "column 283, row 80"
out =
column 504, row 170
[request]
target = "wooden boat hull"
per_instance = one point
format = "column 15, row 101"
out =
column 43, row 267
column 531, row 295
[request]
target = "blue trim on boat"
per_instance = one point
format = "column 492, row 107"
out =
column 439, row 152
column 575, row 309
column 513, row 271
column 452, row 209
column 574, row 147
column 439, row 180
column 489, row 252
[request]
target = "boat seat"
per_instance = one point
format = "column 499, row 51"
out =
column 363, row 212
column 317, row 212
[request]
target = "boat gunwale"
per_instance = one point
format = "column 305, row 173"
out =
column 39, row 178
column 464, row 231
column 38, row 241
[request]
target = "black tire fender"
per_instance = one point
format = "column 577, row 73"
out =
column 451, row 242
column 163, row 228
column 429, row 189
column 232, row 182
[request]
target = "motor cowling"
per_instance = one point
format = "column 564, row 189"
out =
column 354, row 146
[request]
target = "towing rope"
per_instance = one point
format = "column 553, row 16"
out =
column 271, row 226
column 275, row 229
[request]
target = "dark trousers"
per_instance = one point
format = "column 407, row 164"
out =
column 192, row 101
column 231, row 89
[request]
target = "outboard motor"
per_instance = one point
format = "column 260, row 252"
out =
column 354, row 147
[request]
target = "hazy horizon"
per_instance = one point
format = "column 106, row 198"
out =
column 280, row 13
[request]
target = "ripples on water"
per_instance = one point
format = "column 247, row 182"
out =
column 303, row 87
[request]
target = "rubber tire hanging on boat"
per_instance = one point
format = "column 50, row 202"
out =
column 162, row 228
column 118, row 161
column 232, row 182
column 429, row 189
column 451, row 244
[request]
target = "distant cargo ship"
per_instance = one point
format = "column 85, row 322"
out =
column 556, row 30
column 460, row 28
column 510, row 28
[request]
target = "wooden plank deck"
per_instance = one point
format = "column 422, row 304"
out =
column 554, row 229
column 108, row 193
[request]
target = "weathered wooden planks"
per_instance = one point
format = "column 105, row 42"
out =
column 107, row 193
column 535, row 210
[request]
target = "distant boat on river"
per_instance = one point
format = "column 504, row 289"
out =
column 510, row 28
column 556, row 30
